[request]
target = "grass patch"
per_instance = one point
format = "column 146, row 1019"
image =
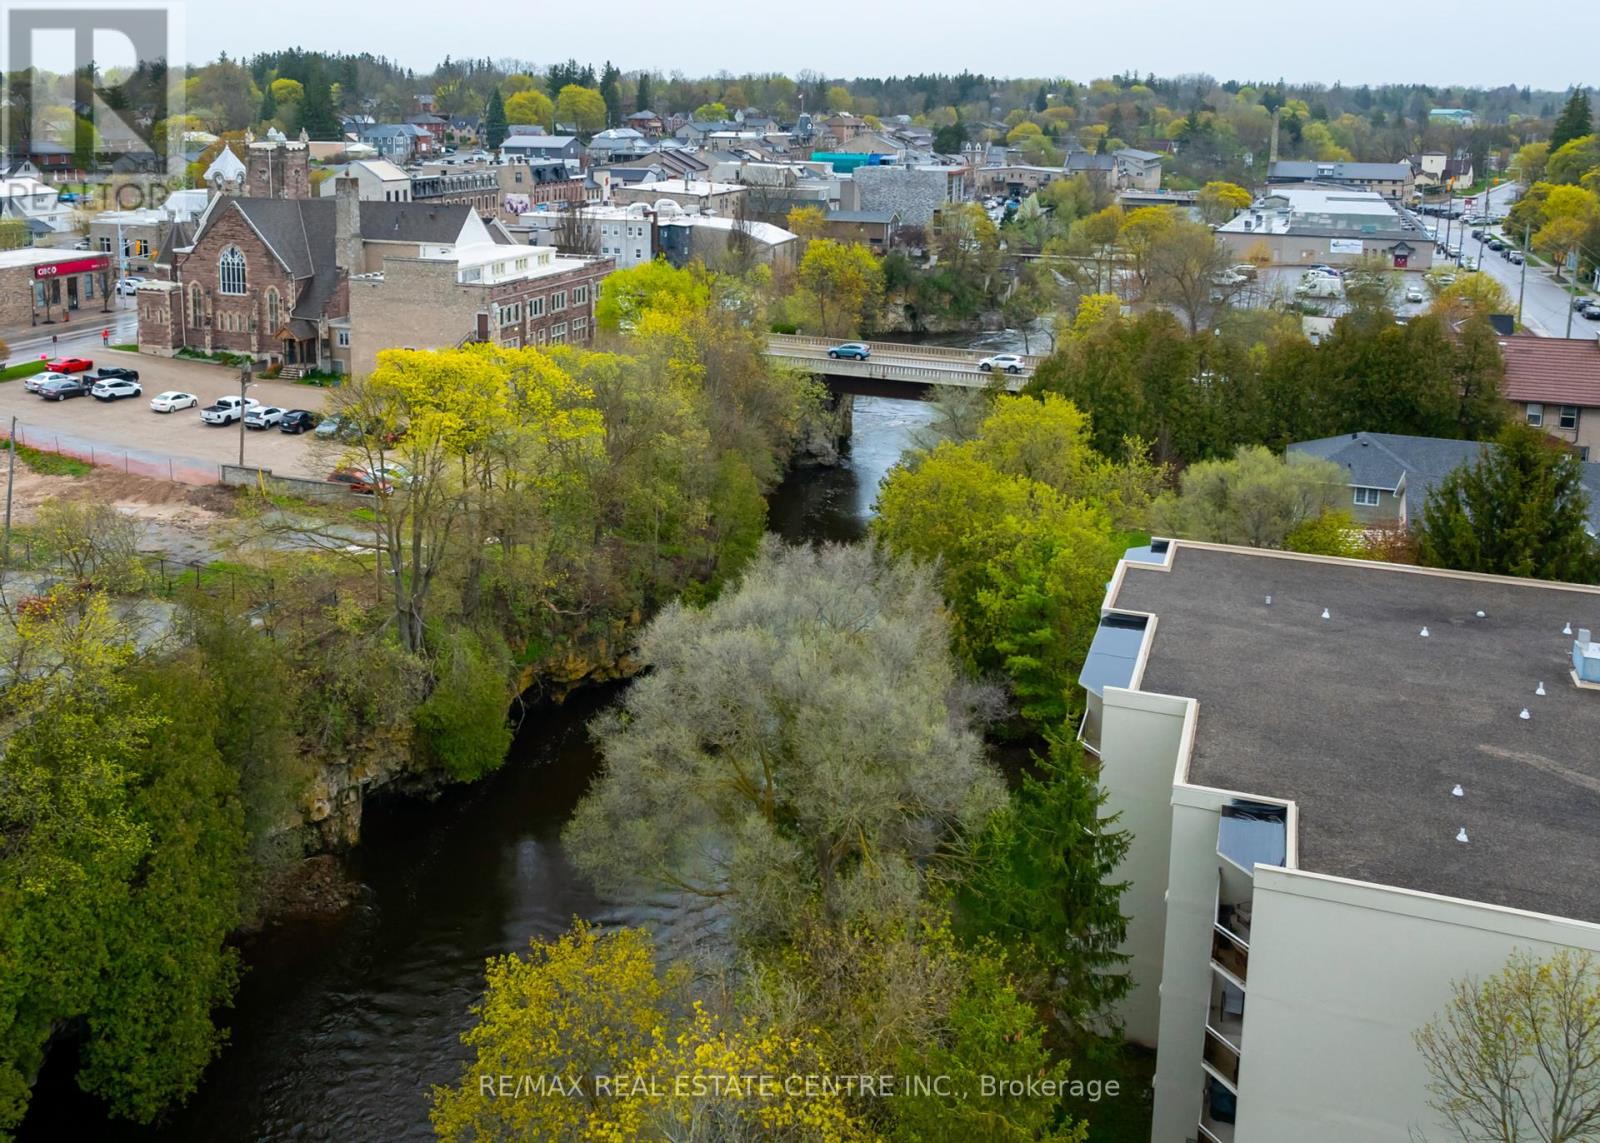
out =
column 320, row 380
column 125, row 347
column 52, row 463
column 26, row 369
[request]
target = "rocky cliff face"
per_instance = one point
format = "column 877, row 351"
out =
column 823, row 437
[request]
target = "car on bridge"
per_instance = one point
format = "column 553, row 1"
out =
column 1006, row 362
column 853, row 349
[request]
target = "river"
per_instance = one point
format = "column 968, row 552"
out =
column 341, row 1027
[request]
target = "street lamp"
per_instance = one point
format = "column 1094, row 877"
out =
column 244, row 382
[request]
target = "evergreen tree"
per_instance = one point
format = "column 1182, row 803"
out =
column 611, row 92
column 1520, row 510
column 641, row 100
column 948, row 140
column 494, row 121
column 1575, row 121
column 1041, row 100
column 269, row 104
column 317, row 115
column 1043, row 887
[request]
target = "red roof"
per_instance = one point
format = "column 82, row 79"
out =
column 1552, row 370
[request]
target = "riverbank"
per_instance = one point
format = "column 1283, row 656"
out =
column 342, row 1024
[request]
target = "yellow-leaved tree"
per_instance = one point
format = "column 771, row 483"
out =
column 587, row 1037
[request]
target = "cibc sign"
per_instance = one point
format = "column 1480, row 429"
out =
column 76, row 266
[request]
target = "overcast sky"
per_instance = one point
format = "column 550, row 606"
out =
column 1354, row 41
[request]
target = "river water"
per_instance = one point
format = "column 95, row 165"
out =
column 341, row 1027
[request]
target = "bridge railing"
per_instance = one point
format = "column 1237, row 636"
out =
column 947, row 374
column 934, row 352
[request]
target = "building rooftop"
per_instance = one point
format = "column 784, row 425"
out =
column 1558, row 370
column 1367, row 726
column 1313, row 169
column 1329, row 210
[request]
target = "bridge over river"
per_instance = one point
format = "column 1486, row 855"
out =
column 893, row 369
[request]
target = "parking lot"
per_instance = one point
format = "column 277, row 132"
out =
column 127, row 434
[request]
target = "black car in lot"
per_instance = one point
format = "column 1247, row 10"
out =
column 297, row 421
column 116, row 373
column 62, row 388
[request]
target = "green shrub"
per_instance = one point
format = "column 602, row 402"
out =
column 461, row 726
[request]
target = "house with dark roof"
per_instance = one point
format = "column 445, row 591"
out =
column 646, row 122
column 1390, row 476
column 1554, row 382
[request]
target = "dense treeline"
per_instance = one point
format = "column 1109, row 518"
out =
column 1259, row 381
column 161, row 756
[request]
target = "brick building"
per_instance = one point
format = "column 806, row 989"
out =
column 39, row 285
column 269, row 275
column 508, row 295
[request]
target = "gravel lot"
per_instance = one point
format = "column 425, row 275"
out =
column 126, row 434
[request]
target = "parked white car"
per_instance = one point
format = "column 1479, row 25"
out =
column 1413, row 294
column 1005, row 362
column 115, row 388
column 35, row 383
column 127, row 287
column 263, row 417
column 172, row 400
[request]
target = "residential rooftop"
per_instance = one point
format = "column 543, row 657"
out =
column 1368, row 726
column 1556, row 370
column 1326, row 210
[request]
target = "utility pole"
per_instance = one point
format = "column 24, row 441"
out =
column 11, row 468
column 244, row 380
column 1522, row 286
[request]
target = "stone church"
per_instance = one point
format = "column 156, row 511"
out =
column 265, row 270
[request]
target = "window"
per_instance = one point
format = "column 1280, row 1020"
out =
column 230, row 271
column 197, row 306
column 558, row 333
column 1569, row 416
column 580, row 295
column 343, row 337
column 536, row 307
column 272, row 311
column 1368, row 497
column 1535, row 414
column 580, row 328
column 105, row 245
column 558, row 301
column 141, row 248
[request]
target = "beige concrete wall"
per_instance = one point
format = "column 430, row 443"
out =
column 1341, row 974
column 1141, row 738
column 1292, row 250
column 420, row 305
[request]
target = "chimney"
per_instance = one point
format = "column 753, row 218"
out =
column 1272, row 152
column 347, row 224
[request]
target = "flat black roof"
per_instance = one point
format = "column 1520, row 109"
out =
column 1367, row 725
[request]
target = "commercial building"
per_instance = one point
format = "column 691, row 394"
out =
column 639, row 233
column 486, row 292
column 40, row 285
column 698, row 194
column 1347, row 784
column 1305, row 225
column 871, row 228
column 915, row 194
column 1392, row 180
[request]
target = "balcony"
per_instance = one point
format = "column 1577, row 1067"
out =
column 1221, row 1059
column 1229, row 954
column 1219, row 1107
column 1225, row 1014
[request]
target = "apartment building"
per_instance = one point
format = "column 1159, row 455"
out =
column 484, row 292
column 1348, row 784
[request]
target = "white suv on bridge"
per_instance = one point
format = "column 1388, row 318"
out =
column 1007, row 362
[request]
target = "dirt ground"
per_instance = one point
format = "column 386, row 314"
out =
column 182, row 522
